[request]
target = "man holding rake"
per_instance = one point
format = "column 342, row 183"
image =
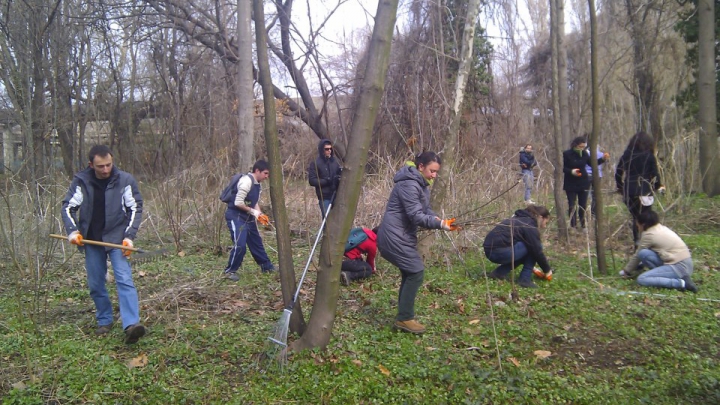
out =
column 110, row 210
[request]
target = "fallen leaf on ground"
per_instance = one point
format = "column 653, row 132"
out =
column 514, row 361
column 357, row 362
column 474, row 321
column 384, row 370
column 542, row 354
column 139, row 361
column 19, row 385
column 181, row 253
column 141, row 273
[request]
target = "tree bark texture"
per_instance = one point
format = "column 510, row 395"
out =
column 277, row 196
column 341, row 216
column 557, row 124
column 244, row 86
column 596, row 180
column 707, row 114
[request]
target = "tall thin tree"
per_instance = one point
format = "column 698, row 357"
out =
column 282, row 224
column 341, row 217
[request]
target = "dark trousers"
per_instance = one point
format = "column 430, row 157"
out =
column 409, row 287
column 516, row 255
column 246, row 233
column 356, row 269
column 635, row 207
column 577, row 203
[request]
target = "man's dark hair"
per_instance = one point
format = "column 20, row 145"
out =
column 98, row 150
column 261, row 165
column 648, row 219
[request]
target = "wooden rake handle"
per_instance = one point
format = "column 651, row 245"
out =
column 98, row 243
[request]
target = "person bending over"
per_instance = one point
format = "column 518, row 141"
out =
column 516, row 241
column 361, row 241
column 664, row 253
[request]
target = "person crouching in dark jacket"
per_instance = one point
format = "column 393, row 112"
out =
column 516, row 241
column 324, row 175
column 407, row 209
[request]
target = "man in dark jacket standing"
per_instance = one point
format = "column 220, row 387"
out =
column 110, row 208
column 324, row 174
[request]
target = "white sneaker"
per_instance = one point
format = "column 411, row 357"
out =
column 622, row 273
column 529, row 202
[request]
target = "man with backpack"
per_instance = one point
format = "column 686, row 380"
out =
column 361, row 241
column 242, row 196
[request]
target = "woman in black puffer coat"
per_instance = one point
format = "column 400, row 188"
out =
column 637, row 177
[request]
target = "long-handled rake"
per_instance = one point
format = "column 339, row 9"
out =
column 141, row 255
column 281, row 329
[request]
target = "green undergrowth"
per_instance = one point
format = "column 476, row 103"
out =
column 572, row 341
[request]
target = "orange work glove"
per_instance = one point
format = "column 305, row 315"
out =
column 75, row 238
column 129, row 243
column 449, row 224
column 263, row 219
column 575, row 172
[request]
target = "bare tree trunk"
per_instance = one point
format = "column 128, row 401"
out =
column 282, row 224
column 341, row 217
column 244, row 86
column 707, row 114
column 442, row 183
column 596, row 179
column 557, row 124
column 562, row 75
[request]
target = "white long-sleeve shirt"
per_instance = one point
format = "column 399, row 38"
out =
column 244, row 185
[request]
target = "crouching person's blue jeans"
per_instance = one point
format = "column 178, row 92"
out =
column 663, row 275
column 506, row 256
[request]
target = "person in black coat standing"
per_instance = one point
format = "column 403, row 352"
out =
column 637, row 176
column 516, row 241
column 324, row 175
column 577, row 180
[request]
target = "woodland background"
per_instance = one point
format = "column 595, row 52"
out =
column 174, row 87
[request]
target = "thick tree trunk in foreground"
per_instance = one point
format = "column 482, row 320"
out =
column 707, row 115
column 342, row 214
column 282, row 224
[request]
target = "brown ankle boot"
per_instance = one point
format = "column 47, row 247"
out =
column 410, row 326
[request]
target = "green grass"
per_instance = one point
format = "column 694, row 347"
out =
column 208, row 339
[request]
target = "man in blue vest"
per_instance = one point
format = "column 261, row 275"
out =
column 241, row 215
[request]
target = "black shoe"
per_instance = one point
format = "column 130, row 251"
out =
column 689, row 285
column 269, row 269
column 344, row 278
column 526, row 284
column 103, row 329
column 496, row 276
column 133, row 333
